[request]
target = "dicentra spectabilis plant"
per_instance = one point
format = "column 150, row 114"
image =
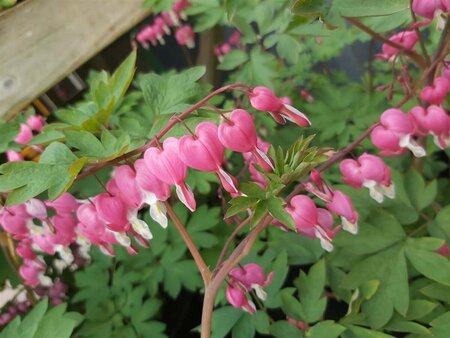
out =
column 296, row 202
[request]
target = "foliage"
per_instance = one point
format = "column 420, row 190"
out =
column 388, row 280
column 43, row 322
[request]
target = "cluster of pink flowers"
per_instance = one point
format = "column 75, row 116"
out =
column 30, row 224
column 317, row 222
column 244, row 279
column 13, row 310
column 233, row 41
column 156, row 31
column 25, row 135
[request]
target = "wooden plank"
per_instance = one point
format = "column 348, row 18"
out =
column 41, row 41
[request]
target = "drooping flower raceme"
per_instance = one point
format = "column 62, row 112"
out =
column 371, row 172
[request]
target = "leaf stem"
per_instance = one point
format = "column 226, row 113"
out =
column 204, row 270
column 412, row 54
column 172, row 122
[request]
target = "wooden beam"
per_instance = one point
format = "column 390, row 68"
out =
column 42, row 41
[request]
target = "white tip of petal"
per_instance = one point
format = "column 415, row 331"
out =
column 45, row 280
column 259, row 291
column 389, row 191
column 142, row 229
column 376, row 192
column 325, row 240
column 158, row 213
column 349, row 226
column 407, row 142
column 265, row 157
column 123, row 239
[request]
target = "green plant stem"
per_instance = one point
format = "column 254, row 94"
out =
column 412, row 54
column 230, row 239
column 172, row 122
column 204, row 270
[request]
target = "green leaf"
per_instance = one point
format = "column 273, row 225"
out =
column 291, row 306
column 419, row 194
column 325, row 329
column 430, row 264
column 223, row 320
column 362, row 332
column 275, row 206
column 419, row 308
column 288, row 48
column 283, row 329
column 359, row 8
column 171, row 93
column 233, row 59
column 310, row 290
column 244, row 327
column 239, row 204
column 441, row 326
column 122, row 77
column 55, row 172
column 437, row 291
column 31, row 322
column 400, row 325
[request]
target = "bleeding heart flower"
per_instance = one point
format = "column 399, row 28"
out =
column 426, row 8
column 342, row 206
column 169, row 168
column 154, row 190
column 394, row 134
column 36, row 122
column 127, row 188
column 406, row 39
column 263, row 99
column 371, row 172
column 433, row 120
column 13, row 156
column 65, row 203
column 185, row 36
column 436, row 93
column 205, row 152
column 25, row 134
column 238, row 133
column 312, row 221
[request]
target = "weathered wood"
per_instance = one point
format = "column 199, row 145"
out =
column 41, row 41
